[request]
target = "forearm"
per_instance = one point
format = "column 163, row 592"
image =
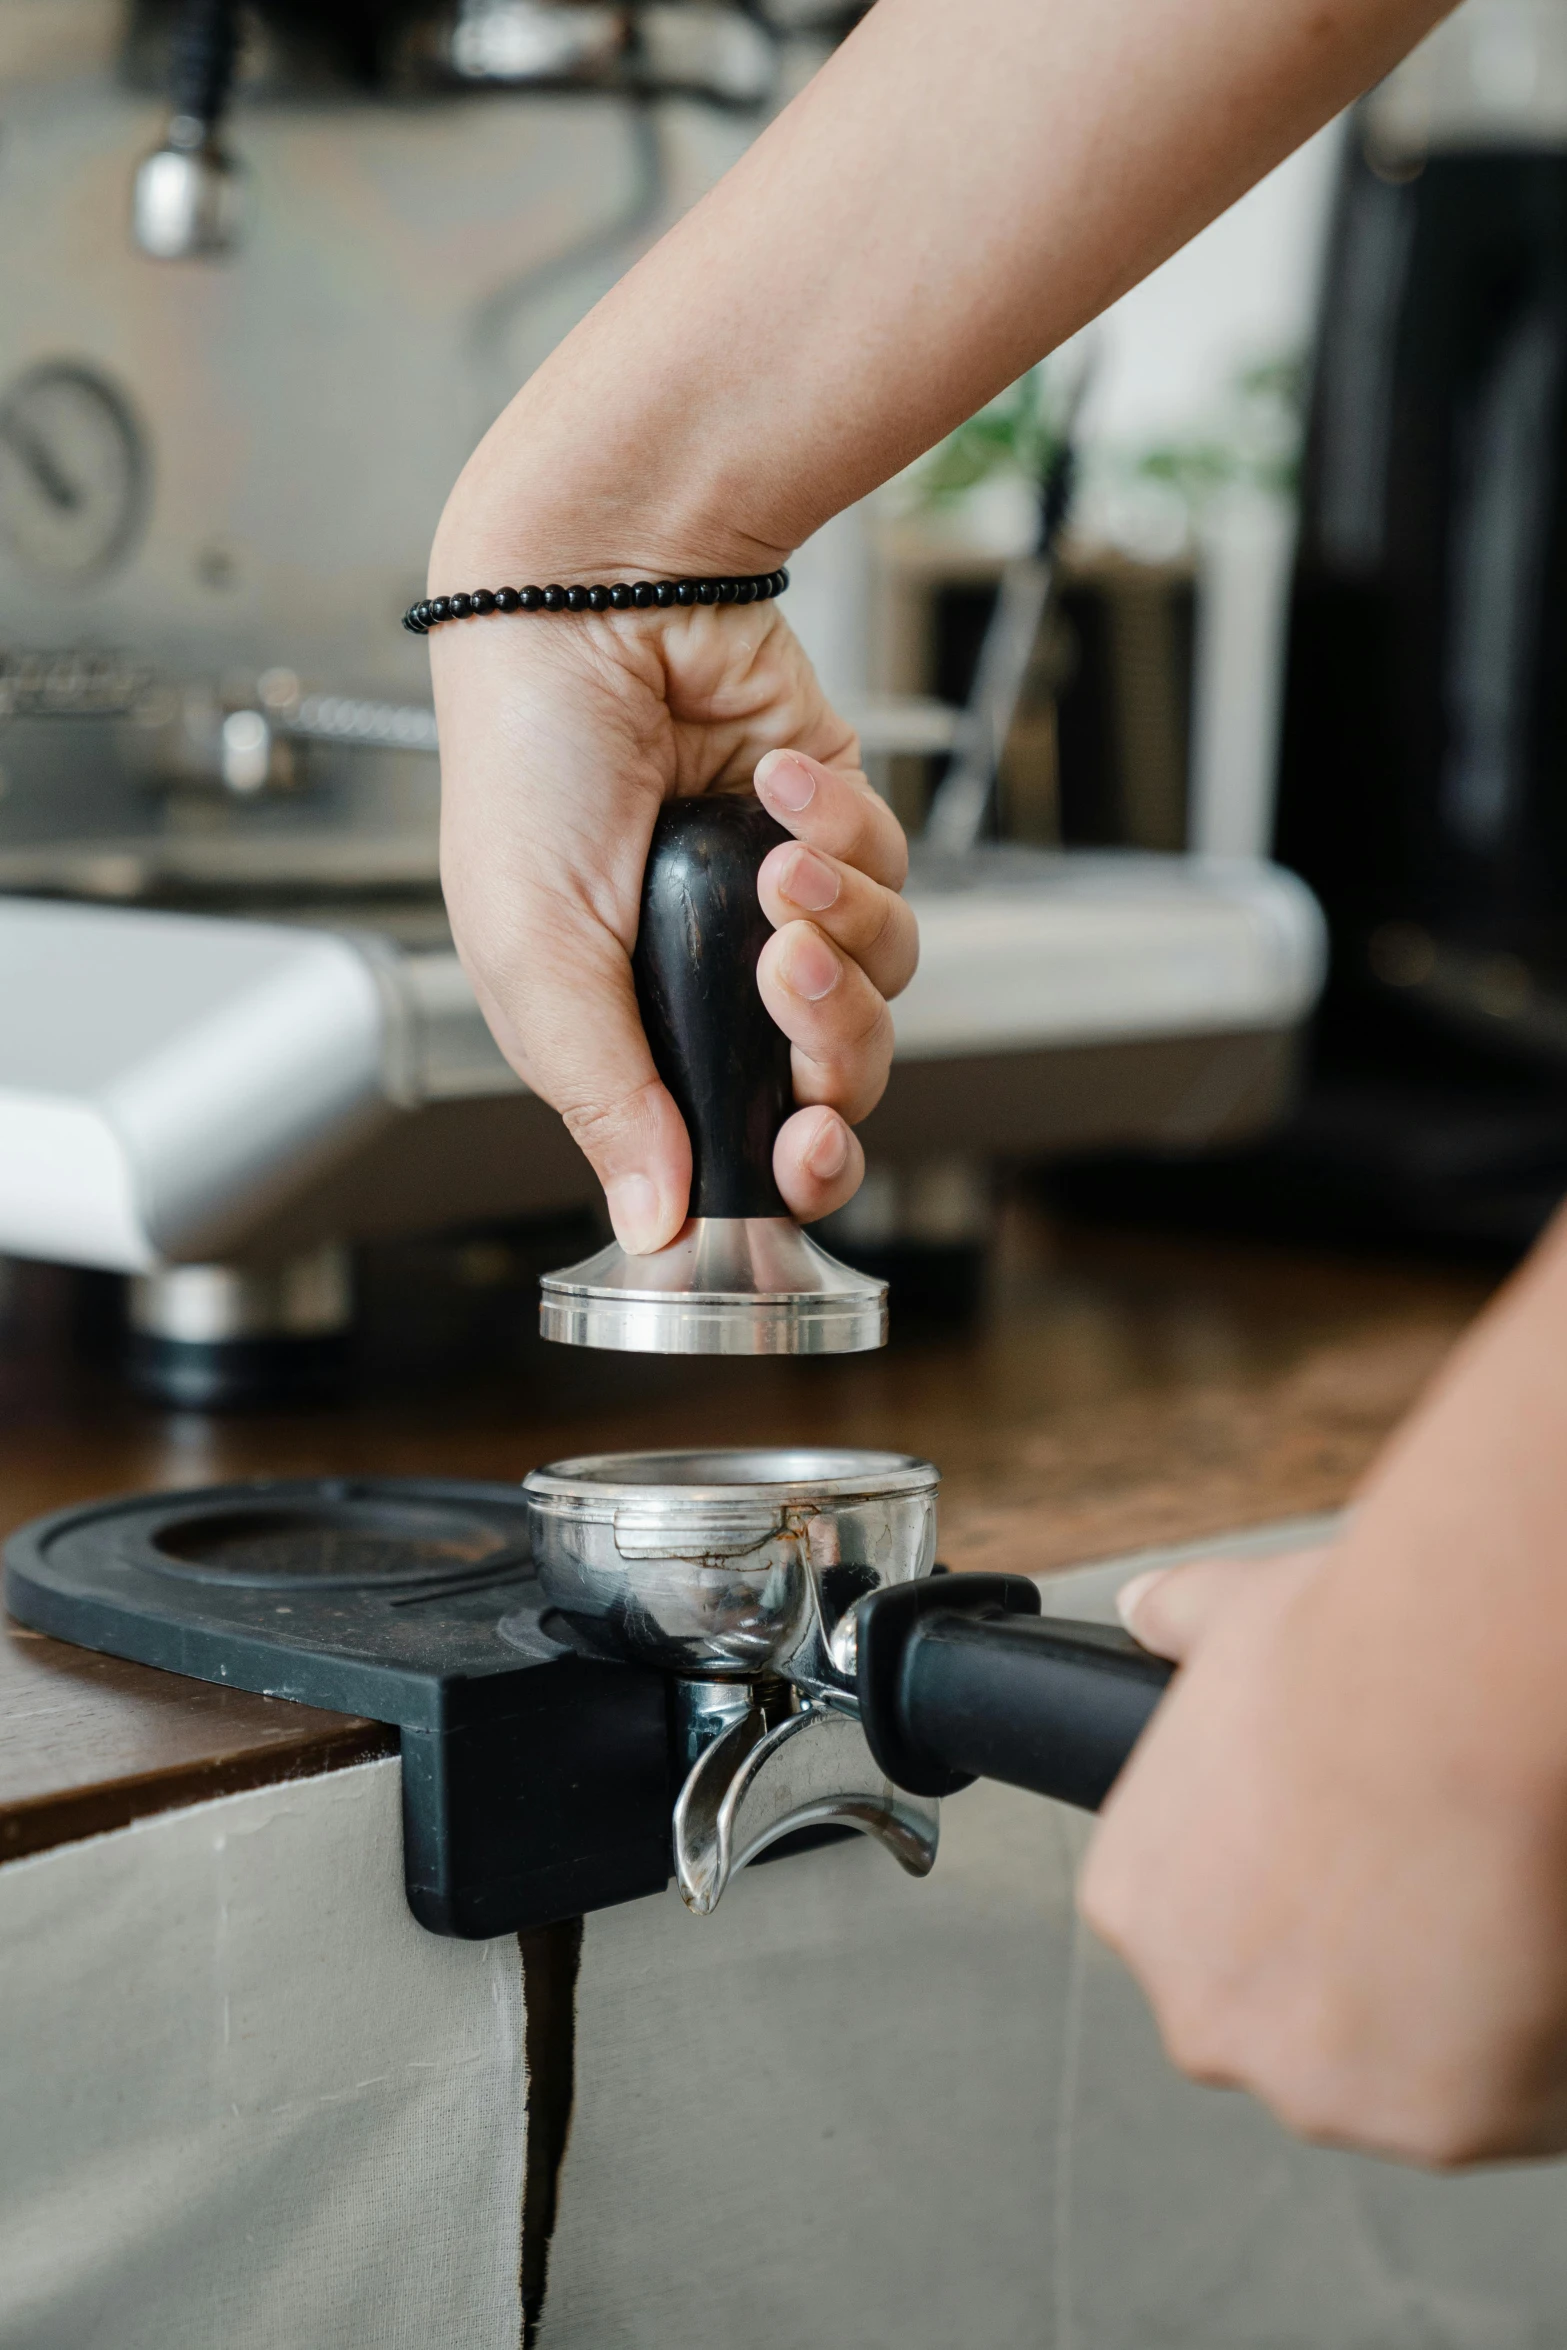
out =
column 957, row 191
column 1455, row 1565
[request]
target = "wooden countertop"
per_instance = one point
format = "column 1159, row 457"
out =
column 1122, row 1390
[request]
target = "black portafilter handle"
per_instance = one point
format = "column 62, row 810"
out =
column 700, row 935
column 961, row 1678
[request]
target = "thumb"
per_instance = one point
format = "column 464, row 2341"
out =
column 1171, row 1610
column 549, row 793
column 565, row 1012
column 1168, row 1609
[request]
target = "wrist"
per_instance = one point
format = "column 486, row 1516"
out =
column 536, row 505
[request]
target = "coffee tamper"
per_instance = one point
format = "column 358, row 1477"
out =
column 741, row 1277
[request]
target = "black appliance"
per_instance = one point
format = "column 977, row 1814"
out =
column 1423, row 764
column 1423, row 782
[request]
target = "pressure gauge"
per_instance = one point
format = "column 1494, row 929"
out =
column 74, row 475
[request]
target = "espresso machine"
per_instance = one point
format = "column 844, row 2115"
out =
column 266, row 275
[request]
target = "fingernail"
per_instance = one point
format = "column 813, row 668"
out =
column 633, row 1210
column 1131, row 1595
column 811, row 969
column 786, row 781
column 829, row 1153
column 808, row 882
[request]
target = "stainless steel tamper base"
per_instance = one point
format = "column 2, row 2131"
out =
column 726, row 1285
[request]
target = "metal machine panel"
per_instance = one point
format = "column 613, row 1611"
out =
column 163, row 1076
column 169, row 1083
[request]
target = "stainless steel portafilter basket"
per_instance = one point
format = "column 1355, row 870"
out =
column 726, row 1565
column 741, row 1278
column 739, row 1573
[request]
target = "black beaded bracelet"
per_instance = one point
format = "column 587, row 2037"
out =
column 641, row 595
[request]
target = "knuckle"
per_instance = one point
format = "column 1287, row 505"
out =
column 1313, row 2106
column 869, row 1095
column 1305, row 2116
column 849, row 1022
column 597, row 1125
column 848, row 1086
column 1456, row 2144
column 1194, row 2043
column 864, row 1034
column 883, row 929
column 890, row 839
column 860, row 1102
column 871, row 838
column 897, row 942
column 591, row 1124
column 1445, row 2140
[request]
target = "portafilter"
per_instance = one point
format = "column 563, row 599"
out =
column 637, row 1661
column 824, row 1672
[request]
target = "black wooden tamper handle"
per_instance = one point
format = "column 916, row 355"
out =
column 961, row 1678
column 701, row 932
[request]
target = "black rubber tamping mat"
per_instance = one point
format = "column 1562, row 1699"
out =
column 536, row 1781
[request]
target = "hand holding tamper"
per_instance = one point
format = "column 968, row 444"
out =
column 741, row 1277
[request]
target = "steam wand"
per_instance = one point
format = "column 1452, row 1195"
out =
column 186, row 196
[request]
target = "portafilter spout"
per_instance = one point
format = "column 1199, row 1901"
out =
column 741, row 1277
